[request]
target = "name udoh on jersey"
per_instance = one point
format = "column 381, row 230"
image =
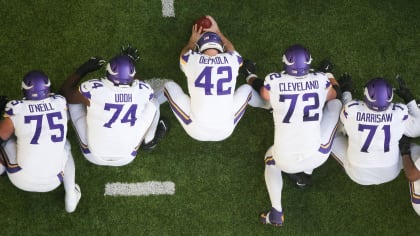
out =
column 211, row 85
column 373, row 136
column 41, row 129
column 113, row 117
column 297, row 110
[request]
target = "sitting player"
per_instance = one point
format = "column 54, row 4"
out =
column 114, row 115
column 36, row 152
column 213, row 108
column 410, row 154
column 303, row 102
column 368, row 147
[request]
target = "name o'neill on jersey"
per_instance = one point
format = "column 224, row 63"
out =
column 213, row 60
column 373, row 118
column 298, row 86
column 123, row 97
column 40, row 107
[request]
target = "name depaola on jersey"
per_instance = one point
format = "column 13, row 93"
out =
column 213, row 60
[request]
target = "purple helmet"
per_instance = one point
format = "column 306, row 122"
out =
column 36, row 85
column 210, row 40
column 378, row 94
column 297, row 60
column 120, row 70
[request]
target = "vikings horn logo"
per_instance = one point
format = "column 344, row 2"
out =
column 26, row 87
column 111, row 72
column 290, row 63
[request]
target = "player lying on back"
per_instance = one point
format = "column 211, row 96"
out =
column 116, row 114
column 36, row 153
column 306, row 112
column 213, row 107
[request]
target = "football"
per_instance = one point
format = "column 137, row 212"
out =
column 204, row 22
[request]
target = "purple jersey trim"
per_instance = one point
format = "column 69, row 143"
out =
column 185, row 57
column 86, row 94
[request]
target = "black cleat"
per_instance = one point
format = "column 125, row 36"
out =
column 161, row 130
column 301, row 179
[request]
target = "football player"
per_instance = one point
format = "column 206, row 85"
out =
column 410, row 154
column 368, row 146
column 306, row 113
column 213, row 108
column 114, row 115
column 36, row 152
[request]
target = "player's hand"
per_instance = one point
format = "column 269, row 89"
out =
column 248, row 68
column 131, row 52
column 326, row 66
column 346, row 83
column 93, row 64
column 214, row 27
column 404, row 145
column 195, row 34
column 3, row 101
column 402, row 91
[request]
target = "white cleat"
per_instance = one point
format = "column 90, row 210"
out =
column 73, row 199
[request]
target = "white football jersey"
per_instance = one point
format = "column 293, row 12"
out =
column 297, row 110
column 373, row 136
column 113, row 117
column 40, row 129
column 211, row 85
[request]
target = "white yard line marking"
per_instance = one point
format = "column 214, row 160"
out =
column 168, row 8
column 140, row 189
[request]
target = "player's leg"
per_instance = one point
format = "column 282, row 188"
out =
column 274, row 184
column 179, row 102
column 257, row 101
column 415, row 185
column 77, row 114
column 339, row 148
column 72, row 190
column 3, row 157
column 10, row 155
column 154, row 126
column 158, row 86
column 241, row 98
column 329, row 124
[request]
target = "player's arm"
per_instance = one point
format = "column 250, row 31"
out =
column 334, row 90
column 215, row 28
column 6, row 124
column 69, row 88
column 192, row 42
column 6, row 129
column 410, row 169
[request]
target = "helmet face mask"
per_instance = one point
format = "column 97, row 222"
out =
column 210, row 40
column 36, row 85
column 378, row 94
column 120, row 70
column 297, row 60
